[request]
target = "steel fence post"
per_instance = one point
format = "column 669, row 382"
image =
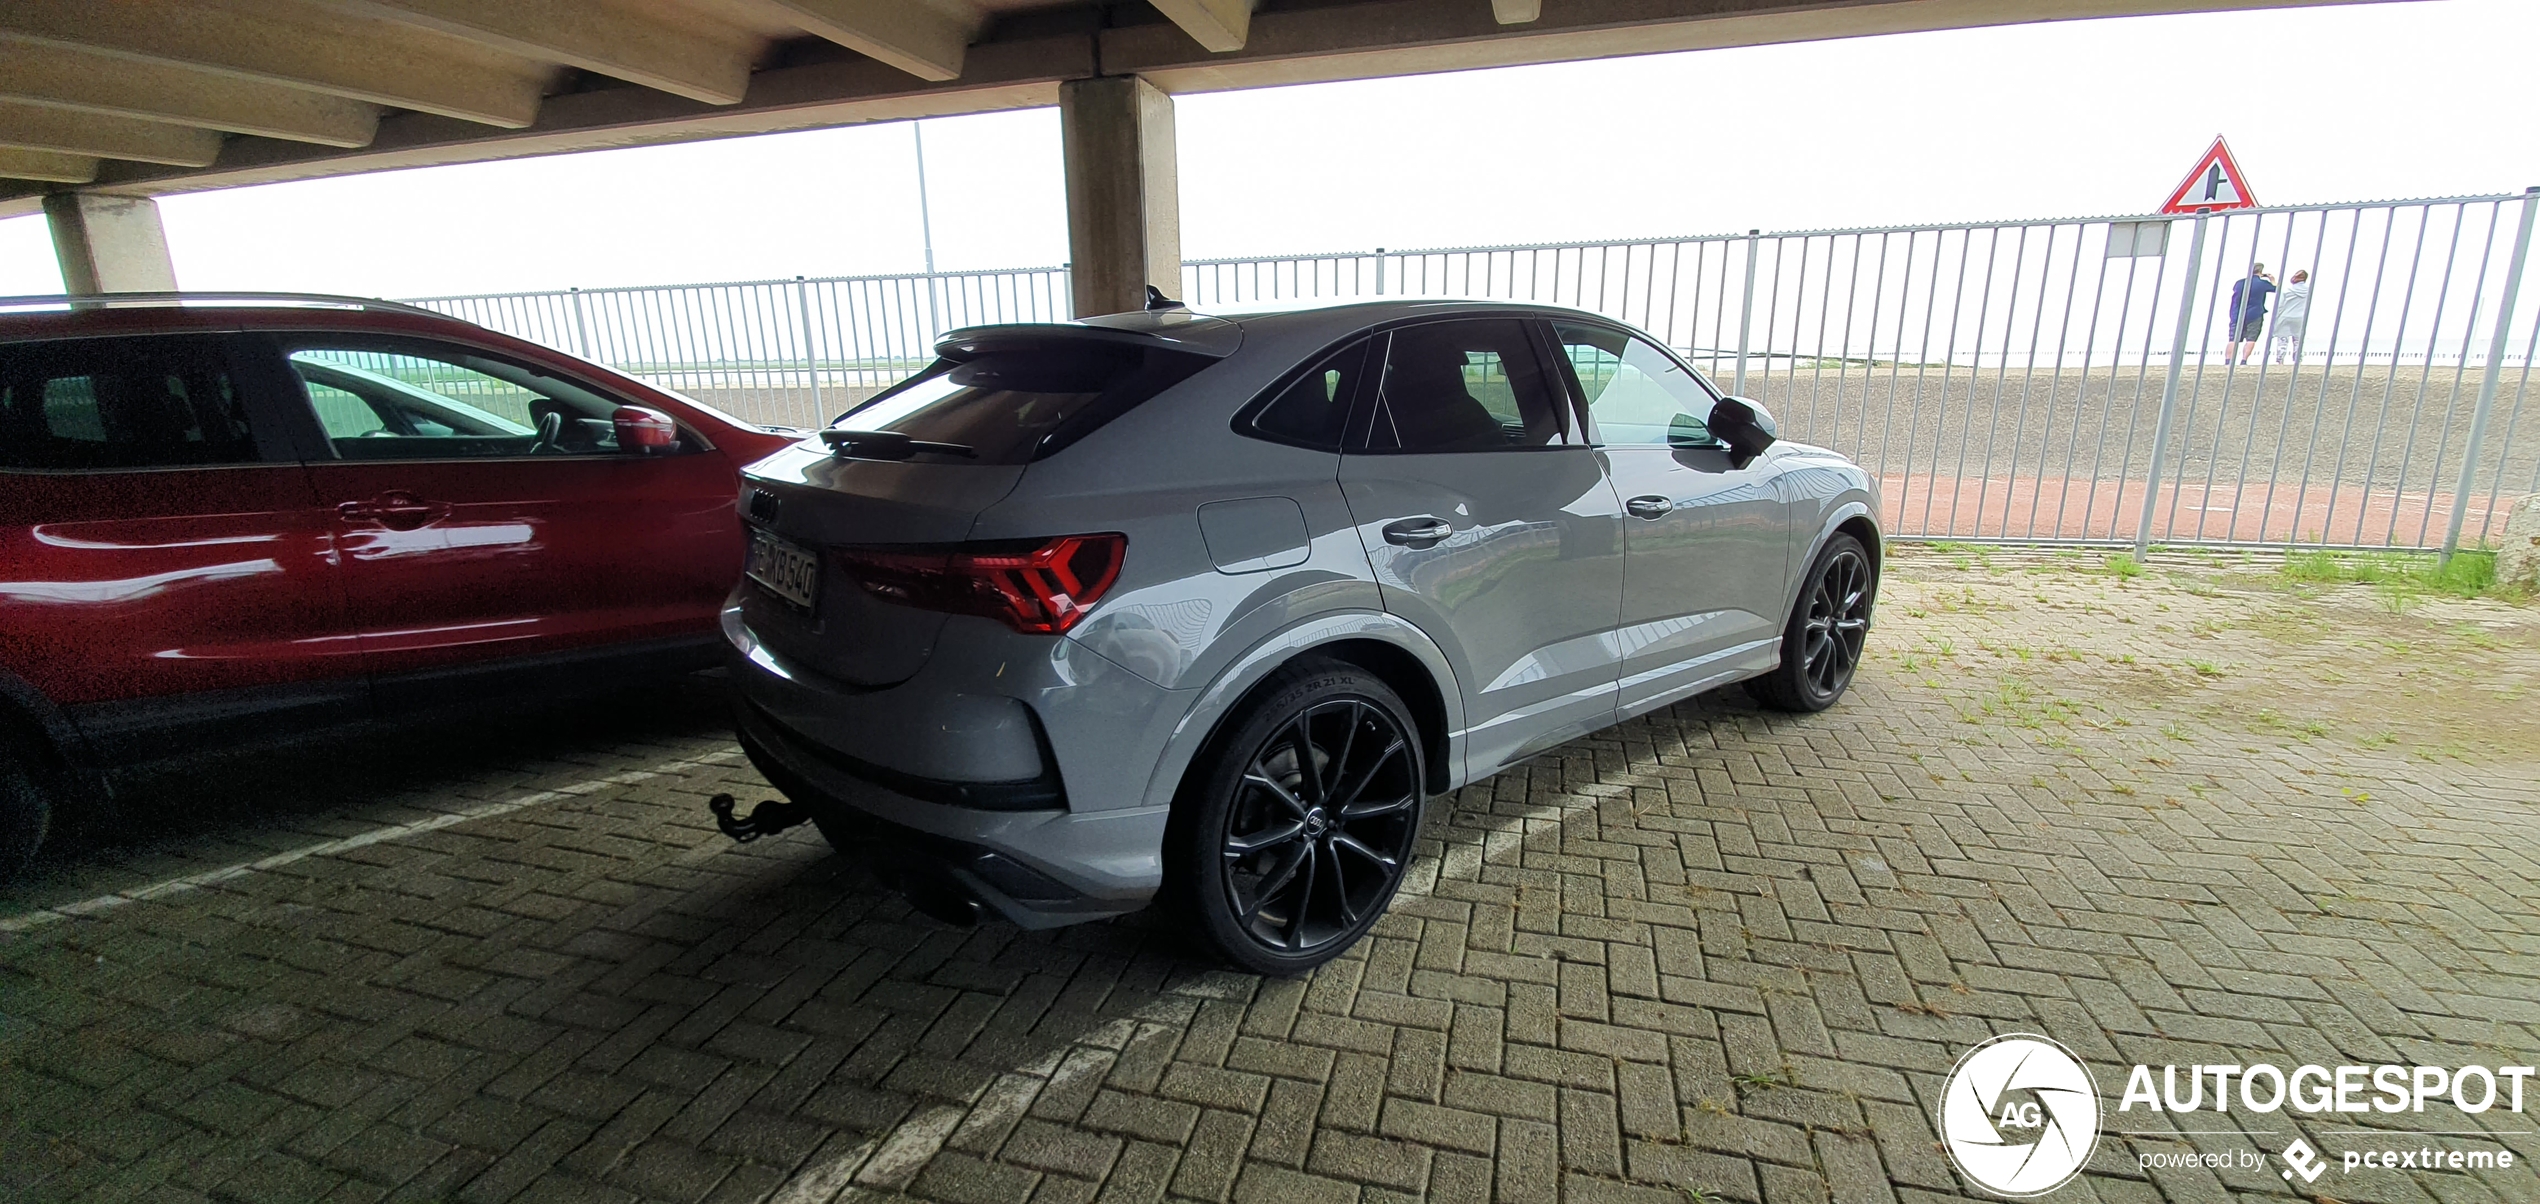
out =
column 2487, row 379
column 581, row 326
column 2169, row 385
column 811, row 354
column 1745, row 315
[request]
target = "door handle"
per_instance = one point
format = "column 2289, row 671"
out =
column 396, row 510
column 1421, row 532
column 1650, row 506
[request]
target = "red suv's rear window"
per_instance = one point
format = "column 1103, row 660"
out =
column 120, row 403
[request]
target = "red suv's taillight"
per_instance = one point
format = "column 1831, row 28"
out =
column 1038, row 589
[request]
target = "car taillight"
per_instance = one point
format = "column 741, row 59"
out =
column 1037, row 589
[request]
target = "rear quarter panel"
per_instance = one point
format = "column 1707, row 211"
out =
column 1175, row 618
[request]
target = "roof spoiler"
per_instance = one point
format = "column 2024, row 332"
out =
column 1215, row 338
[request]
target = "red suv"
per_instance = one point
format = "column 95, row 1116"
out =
column 226, row 520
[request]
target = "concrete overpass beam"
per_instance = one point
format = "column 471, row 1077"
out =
column 1124, row 209
column 1217, row 25
column 109, row 244
column 929, row 39
column 49, row 166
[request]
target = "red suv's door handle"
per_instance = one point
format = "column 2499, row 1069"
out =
column 396, row 510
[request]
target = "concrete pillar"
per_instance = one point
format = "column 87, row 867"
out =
column 109, row 244
column 1124, row 208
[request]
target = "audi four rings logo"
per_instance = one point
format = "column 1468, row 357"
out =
column 2020, row 1115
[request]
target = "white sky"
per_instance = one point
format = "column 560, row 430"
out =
column 2362, row 102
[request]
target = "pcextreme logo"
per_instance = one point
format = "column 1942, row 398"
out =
column 2020, row 1115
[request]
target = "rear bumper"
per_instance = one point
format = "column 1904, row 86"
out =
column 868, row 760
column 1038, row 869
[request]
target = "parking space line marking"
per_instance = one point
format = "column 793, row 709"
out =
column 823, row 1183
column 196, row 881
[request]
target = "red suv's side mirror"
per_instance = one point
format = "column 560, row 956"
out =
column 644, row 431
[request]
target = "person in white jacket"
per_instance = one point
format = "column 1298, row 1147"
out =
column 2292, row 309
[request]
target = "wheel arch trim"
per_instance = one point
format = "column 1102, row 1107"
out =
column 1218, row 699
column 69, row 774
column 1841, row 514
column 21, row 701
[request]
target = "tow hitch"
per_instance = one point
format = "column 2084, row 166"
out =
column 770, row 816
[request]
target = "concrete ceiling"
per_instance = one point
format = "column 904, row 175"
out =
column 145, row 97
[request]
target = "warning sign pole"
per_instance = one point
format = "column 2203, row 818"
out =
column 2169, row 391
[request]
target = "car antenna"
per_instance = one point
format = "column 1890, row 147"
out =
column 1156, row 300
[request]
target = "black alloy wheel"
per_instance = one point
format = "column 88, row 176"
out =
column 1837, row 622
column 1307, row 820
column 1821, row 647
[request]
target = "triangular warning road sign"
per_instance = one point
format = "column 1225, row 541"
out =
column 2215, row 184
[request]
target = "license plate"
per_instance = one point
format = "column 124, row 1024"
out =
column 785, row 568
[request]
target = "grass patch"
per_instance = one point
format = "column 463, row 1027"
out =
column 1963, row 556
column 2401, row 577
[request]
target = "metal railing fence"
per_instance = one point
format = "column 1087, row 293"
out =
column 791, row 352
column 2057, row 381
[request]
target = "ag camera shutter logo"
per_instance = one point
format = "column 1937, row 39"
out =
column 2020, row 1115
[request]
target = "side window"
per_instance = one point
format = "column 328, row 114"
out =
column 1470, row 385
column 109, row 404
column 1315, row 408
column 344, row 414
column 403, row 400
column 1638, row 394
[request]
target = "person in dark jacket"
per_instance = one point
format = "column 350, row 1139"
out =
column 2249, row 313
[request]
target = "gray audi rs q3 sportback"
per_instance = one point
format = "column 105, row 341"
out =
column 1203, row 606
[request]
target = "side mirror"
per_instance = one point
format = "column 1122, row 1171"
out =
column 1746, row 426
column 644, row 432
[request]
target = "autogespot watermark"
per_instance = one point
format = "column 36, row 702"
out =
column 2021, row 1115
column 2325, row 1089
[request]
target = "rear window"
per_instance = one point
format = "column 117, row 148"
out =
column 1013, row 406
column 105, row 404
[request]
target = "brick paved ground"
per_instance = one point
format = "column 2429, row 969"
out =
column 1713, row 955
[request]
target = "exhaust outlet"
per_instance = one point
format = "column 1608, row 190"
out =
column 934, row 892
column 947, row 903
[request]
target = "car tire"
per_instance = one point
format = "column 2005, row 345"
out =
column 25, row 814
column 1822, row 643
column 1280, row 870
